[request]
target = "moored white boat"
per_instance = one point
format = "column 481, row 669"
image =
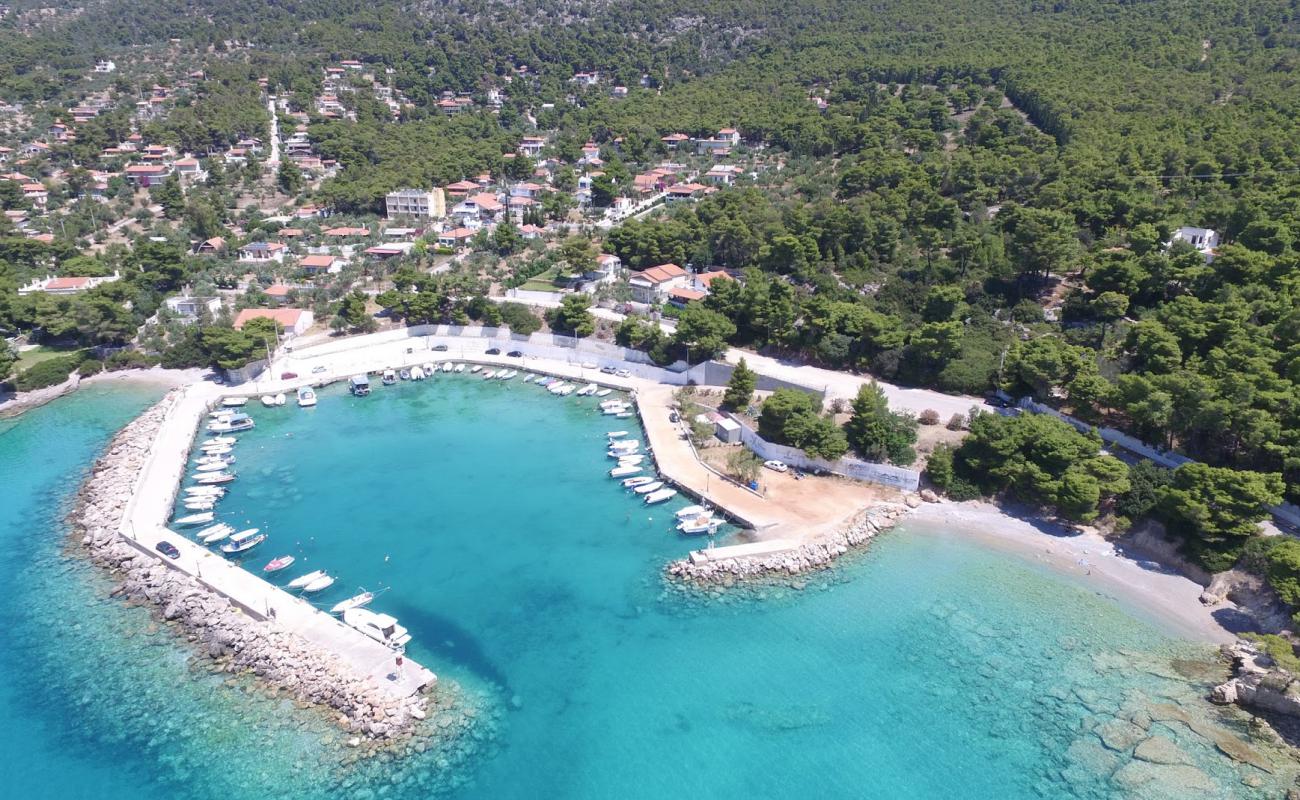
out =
column 460, row 368
column 623, row 415
column 280, row 399
column 200, row 505
column 510, row 374
column 611, row 411
column 624, row 461
column 447, row 366
column 624, row 469
column 625, row 444
column 211, row 466
column 217, row 441
column 356, row 601
column 475, row 368
column 704, row 523
column 489, row 374
column 207, row 491
column 380, row 627
column 303, row 580
column 320, row 584
column 213, row 478
column 244, row 540
column 417, row 373
column 604, row 392
column 587, row 390
column 234, row 402
column 215, row 533
column 277, row 564
column 632, row 483
column 268, row 400
column 620, row 453
column 529, row 378
column 660, row 496
column 404, row 374
column 615, row 435
column 194, row 519
column 389, row 378
column 692, row 511
column 648, row 487
column 306, row 397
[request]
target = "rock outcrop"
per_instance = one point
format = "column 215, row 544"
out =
column 808, row 557
column 219, row 630
column 1258, row 683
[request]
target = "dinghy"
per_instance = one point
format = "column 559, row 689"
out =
column 358, row 601
column 320, row 584
column 604, row 392
column 660, row 496
column 194, row 519
column 303, row 580
column 648, row 487
column 306, row 397
column 215, row 533
column 277, row 564
column 624, row 469
column 268, row 400
column 632, row 483
column 616, row 435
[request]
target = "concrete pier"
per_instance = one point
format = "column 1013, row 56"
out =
column 144, row 525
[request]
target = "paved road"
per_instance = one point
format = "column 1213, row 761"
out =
column 274, row 160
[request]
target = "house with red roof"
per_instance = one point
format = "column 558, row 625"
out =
column 67, row 284
column 455, row 238
column 263, row 251
column 653, row 285
column 321, row 264
column 292, row 321
column 146, row 175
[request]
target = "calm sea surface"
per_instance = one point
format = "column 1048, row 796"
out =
column 482, row 514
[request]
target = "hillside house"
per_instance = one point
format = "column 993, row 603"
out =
column 211, row 247
column 423, row 203
column 188, row 309
column 66, row 285
column 259, row 252
column 321, row 264
column 455, row 238
column 653, row 285
column 1205, row 240
column 292, row 321
column 146, row 175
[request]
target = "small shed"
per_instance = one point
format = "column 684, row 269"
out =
column 727, row 430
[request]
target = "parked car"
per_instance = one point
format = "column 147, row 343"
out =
column 622, row 373
column 441, row 348
column 288, row 376
column 494, row 351
column 588, row 365
column 318, row 369
column 515, row 354
column 168, row 549
column 608, row 370
column 674, row 417
column 776, row 466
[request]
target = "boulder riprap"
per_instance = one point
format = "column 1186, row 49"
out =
column 808, row 557
column 235, row 641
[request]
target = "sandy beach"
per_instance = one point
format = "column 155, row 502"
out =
column 13, row 404
column 1164, row 598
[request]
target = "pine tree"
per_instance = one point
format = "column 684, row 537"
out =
column 740, row 389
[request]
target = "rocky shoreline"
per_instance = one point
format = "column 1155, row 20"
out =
column 235, row 642
column 812, row 556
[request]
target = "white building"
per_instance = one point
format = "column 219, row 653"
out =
column 188, row 309
column 426, row 203
column 1205, row 240
column 66, row 285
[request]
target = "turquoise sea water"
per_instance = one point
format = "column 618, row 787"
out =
column 926, row 668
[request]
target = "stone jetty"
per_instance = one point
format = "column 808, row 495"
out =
column 807, row 557
column 235, row 640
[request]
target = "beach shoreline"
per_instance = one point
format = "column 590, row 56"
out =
column 16, row 404
column 1150, row 591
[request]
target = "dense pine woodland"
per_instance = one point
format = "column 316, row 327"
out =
column 986, row 200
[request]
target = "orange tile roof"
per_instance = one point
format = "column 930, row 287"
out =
column 285, row 317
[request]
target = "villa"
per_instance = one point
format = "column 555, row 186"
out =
column 146, row 175
column 262, row 251
column 66, row 285
column 293, row 321
column 654, row 284
column 321, row 264
column 1205, row 240
column 188, row 309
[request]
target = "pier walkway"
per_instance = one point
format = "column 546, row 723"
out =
column 144, row 524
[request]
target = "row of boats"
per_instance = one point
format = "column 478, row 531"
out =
column 211, row 469
column 359, row 385
column 693, row 519
column 306, row 398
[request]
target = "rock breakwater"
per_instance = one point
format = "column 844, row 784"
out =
column 235, row 641
column 811, row 556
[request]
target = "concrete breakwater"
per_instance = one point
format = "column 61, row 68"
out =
column 704, row 569
column 218, row 628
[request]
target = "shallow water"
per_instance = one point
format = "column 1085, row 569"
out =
column 481, row 512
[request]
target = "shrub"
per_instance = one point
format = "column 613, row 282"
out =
column 957, row 422
column 47, row 373
column 928, row 417
column 90, row 367
column 1278, row 649
column 129, row 359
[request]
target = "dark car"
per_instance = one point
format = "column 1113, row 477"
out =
column 674, row 418
column 288, row 376
column 168, row 549
column 515, row 354
column 494, row 351
column 441, row 348
column 608, row 370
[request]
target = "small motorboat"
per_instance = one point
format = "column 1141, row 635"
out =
column 529, row 378
column 210, row 466
column 306, row 397
column 475, row 368
column 660, row 496
column 616, row 435
column 320, row 584
column 390, row 377
column 489, row 375
column 510, row 374
column 205, row 491
column 632, row 483
column 215, row 533
column 217, row 441
column 615, row 411
column 303, row 580
column 244, row 540
column 460, row 368
column 604, row 392
column 280, row 399
column 380, row 627
column 277, row 564
column 200, row 505
column 447, row 366
column 234, row 402
column 194, row 519
column 359, row 385
column 417, row 373
column 621, row 452
column 628, row 445
column 268, row 400
column 214, row 478
column 232, row 424
column 404, row 374
column 623, row 415
column 429, row 369
column 647, row 488
column 623, row 470
column 705, row 523
column 218, row 450
column 624, row 461
column 544, row 381
column 358, row 601
column 692, row 511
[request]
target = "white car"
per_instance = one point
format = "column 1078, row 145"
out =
column 622, row 373
column 776, row 466
column 318, row 369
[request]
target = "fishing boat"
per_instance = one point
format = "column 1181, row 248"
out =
column 660, row 496
column 357, row 601
column 234, row 402
column 460, row 367
column 217, row 441
column 211, row 466
column 632, row 483
column 194, row 519
column 306, row 397
column 389, row 378
column 215, row 478
column 704, row 523
column 320, row 584
column 404, row 374
column 615, row 435
column 380, row 627
column 214, row 533
column 417, row 373
column 624, row 469
column 244, row 540
column 475, row 368
column 604, row 392
column 692, row 511
column 277, row 564
column 303, row 580
column 268, row 400
column 232, row 424
column 359, row 385
column 647, row 488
